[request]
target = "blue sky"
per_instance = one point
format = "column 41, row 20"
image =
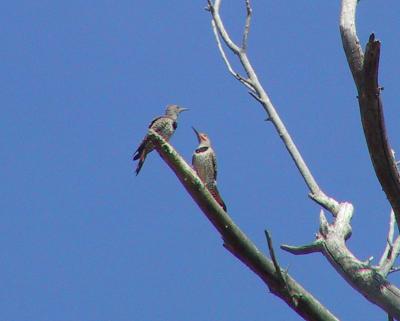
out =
column 82, row 238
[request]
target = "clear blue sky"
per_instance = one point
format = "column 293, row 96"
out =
column 83, row 239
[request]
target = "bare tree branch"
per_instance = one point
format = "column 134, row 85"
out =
column 259, row 93
column 387, row 265
column 368, row 280
column 273, row 257
column 391, row 251
column 214, row 9
column 237, row 242
column 392, row 222
column 304, row 249
column 350, row 41
column 365, row 73
column 247, row 25
column 389, row 240
column 235, row 74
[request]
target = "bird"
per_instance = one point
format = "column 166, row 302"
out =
column 204, row 162
column 165, row 126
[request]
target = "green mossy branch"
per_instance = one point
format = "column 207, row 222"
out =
column 237, row 242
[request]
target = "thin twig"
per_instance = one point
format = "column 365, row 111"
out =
column 255, row 97
column 316, row 246
column 273, row 257
column 247, row 25
column 214, row 9
column 392, row 223
column 235, row 74
column 389, row 240
column 387, row 264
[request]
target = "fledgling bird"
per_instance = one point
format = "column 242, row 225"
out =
column 163, row 125
column 204, row 162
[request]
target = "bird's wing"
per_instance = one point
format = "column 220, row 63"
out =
column 214, row 162
column 154, row 120
column 138, row 153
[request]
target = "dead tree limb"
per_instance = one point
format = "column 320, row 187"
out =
column 364, row 68
column 258, row 92
column 370, row 281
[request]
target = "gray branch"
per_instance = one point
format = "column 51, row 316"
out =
column 350, row 41
column 364, row 68
column 249, row 11
column 235, row 74
column 304, row 249
column 369, row 281
column 389, row 240
column 278, row 270
column 259, row 93
column 391, row 251
column 387, row 264
column 237, row 242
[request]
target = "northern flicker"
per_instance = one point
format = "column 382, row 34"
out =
column 163, row 125
column 204, row 162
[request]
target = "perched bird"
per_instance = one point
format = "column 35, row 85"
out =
column 204, row 162
column 163, row 125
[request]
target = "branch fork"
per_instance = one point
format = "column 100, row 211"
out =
column 361, row 275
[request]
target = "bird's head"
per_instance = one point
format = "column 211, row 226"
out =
column 174, row 110
column 202, row 138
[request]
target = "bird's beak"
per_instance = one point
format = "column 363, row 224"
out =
column 183, row 109
column 197, row 133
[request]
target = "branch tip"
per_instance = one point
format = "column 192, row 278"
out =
column 247, row 25
column 304, row 249
column 273, row 257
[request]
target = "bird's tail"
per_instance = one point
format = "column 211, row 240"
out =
column 139, row 165
column 140, row 155
column 214, row 192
